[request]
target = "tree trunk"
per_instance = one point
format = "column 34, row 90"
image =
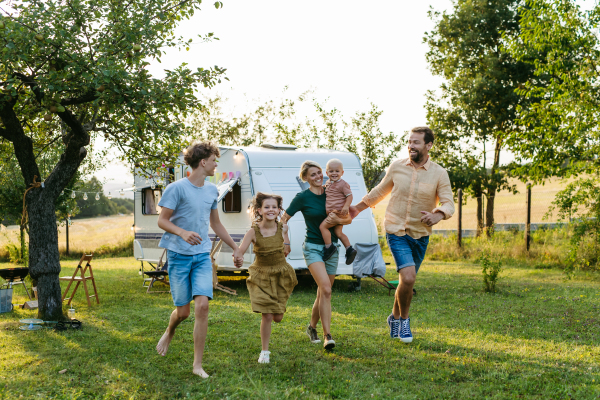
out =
column 43, row 255
column 479, row 215
column 44, row 262
column 489, row 213
column 22, row 240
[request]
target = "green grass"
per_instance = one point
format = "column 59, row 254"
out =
column 538, row 337
column 548, row 248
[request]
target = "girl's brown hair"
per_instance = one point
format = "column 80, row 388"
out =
column 257, row 203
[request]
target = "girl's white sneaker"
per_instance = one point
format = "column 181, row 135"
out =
column 264, row 357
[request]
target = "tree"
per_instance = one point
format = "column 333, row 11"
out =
column 375, row 149
column 477, row 105
column 71, row 70
column 561, row 43
column 277, row 121
column 564, row 113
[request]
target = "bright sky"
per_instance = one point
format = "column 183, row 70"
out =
column 352, row 52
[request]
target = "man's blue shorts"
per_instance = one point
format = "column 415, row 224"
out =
column 189, row 276
column 407, row 251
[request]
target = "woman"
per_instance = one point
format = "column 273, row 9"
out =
column 311, row 203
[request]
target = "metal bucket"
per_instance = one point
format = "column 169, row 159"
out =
column 6, row 300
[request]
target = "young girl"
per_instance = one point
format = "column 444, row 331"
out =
column 271, row 279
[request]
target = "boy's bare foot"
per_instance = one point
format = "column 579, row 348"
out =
column 163, row 344
column 200, row 372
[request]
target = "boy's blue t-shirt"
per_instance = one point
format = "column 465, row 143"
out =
column 191, row 207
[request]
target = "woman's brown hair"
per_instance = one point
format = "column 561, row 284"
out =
column 306, row 165
column 257, row 203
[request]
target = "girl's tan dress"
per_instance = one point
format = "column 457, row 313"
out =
column 271, row 279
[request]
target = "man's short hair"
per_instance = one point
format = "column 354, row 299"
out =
column 429, row 137
column 198, row 151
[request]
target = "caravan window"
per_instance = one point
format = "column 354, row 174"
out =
column 232, row 202
column 150, row 199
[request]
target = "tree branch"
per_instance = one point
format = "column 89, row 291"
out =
column 86, row 98
column 22, row 144
column 30, row 81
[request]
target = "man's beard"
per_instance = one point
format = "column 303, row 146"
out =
column 417, row 157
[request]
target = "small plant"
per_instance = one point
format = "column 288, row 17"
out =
column 15, row 254
column 491, row 272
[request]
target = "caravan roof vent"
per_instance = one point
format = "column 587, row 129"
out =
column 279, row 146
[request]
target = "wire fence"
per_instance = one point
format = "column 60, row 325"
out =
column 509, row 209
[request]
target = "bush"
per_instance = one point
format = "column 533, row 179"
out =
column 581, row 199
column 14, row 254
column 549, row 247
column 491, row 272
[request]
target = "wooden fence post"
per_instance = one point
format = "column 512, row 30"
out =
column 67, row 225
column 460, row 195
column 528, row 223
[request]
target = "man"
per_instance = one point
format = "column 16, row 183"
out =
column 188, row 206
column 416, row 185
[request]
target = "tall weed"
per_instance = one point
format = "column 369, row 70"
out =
column 491, row 272
column 549, row 248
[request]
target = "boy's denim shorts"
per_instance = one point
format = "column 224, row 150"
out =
column 407, row 251
column 189, row 276
column 314, row 253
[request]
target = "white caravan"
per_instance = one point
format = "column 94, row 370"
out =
column 242, row 172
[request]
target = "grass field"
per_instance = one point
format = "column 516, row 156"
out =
column 539, row 338
column 85, row 235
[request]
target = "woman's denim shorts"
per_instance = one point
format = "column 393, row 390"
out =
column 314, row 253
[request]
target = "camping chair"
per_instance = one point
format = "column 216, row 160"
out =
column 81, row 278
column 216, row 247
column 153, row 263
column 160, row 274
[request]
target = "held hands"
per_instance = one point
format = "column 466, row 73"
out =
column 353, row 212
column 431, row 219
column 238, row 258
column 191, row 237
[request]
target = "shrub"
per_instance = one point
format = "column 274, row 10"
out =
column 581, row 199
column 491, row 272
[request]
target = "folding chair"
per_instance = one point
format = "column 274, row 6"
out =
column 160, row 274
column 153, row 263
column 81, row 278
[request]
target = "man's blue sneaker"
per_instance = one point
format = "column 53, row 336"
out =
column 405, row 333
column 394, row 325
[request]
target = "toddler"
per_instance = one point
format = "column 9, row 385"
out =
column 337, row 205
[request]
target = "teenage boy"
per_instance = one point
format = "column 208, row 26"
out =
column 188, row 207
column 417, row 185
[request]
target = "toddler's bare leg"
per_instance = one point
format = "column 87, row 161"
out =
column 324, row 227
column 341, row 235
